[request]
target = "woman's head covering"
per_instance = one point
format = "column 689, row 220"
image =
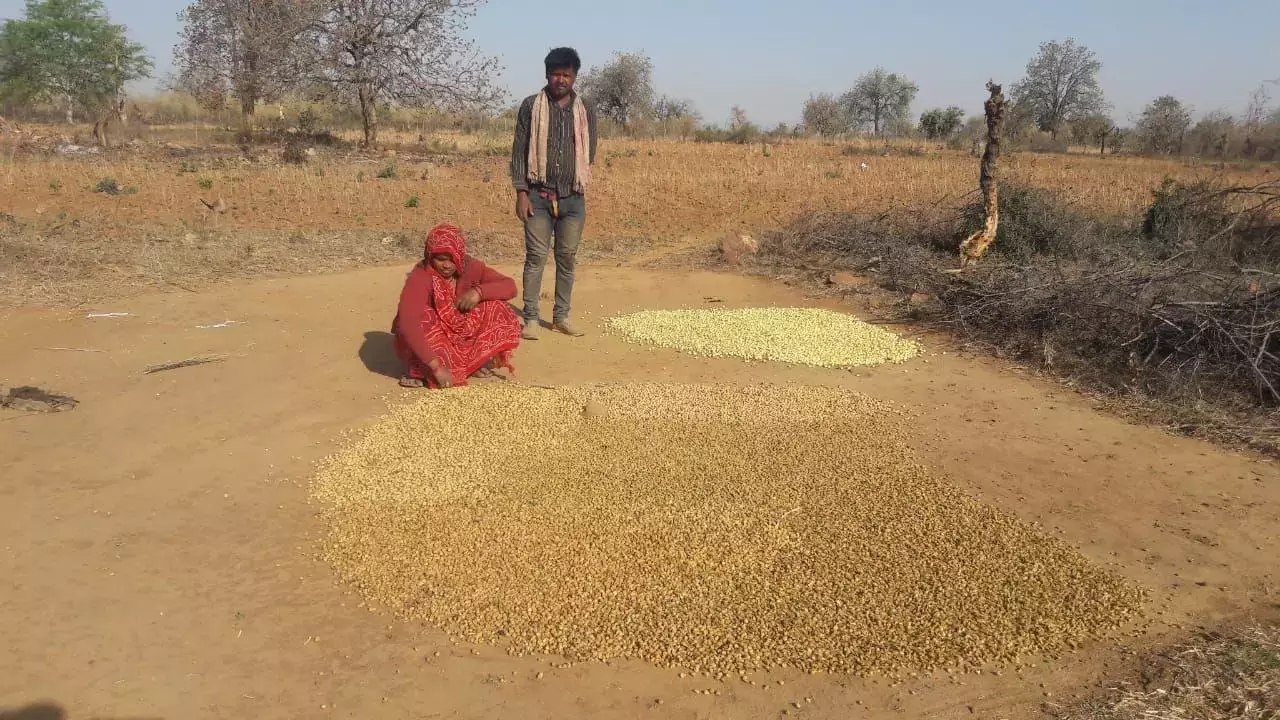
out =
column 447, row 239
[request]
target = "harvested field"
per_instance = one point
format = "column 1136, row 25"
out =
column 711, row 528
column 68, row 242
column 804, row 336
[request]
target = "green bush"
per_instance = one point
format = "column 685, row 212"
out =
column 412, row 202
column 108, row 186
column 1034, row 221
column 387, row 173
column 206, row 183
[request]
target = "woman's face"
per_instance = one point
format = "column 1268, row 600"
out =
column 443, row 264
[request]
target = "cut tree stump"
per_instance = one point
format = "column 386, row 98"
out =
column 976, row 245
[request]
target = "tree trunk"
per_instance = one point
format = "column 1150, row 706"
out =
column 248, row 106
column 975, row 246
column 100, row 131
column 369, row 116
column 71, row 116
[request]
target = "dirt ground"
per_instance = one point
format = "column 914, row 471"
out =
column 160, row 554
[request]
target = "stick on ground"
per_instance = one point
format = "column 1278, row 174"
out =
column 189, row 362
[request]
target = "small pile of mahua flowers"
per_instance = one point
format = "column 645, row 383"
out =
column 803, row 336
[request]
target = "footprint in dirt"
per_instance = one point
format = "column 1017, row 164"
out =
column 36, row 400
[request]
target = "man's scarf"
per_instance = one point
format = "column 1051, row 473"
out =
column 539, row 136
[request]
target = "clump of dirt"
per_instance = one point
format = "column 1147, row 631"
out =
column 33, row 399
column 707, row 527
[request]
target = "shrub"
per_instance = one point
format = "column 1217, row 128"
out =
column 206, row 183
column 295, row 153
column 308, row 121
column 412, row 202
column 1232, row 226
column 108, row 186
column 387, row 173
column 1034, row 221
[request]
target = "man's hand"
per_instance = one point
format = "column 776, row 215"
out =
column 469, row 300
column 441, row 373
column 524, row 208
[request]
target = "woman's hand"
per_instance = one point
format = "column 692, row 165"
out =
column 469, row 300
column 441, row 373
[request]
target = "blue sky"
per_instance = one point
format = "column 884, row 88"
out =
column 768, row 56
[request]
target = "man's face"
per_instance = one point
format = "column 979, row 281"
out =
column 560, row 82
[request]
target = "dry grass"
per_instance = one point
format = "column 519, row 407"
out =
column 647, row 192
column 1232, row 676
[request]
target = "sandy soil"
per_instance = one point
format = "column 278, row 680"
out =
column 159, row 553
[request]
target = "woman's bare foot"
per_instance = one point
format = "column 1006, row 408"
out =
column 411, row 382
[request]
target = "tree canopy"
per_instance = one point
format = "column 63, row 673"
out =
column 880, row 99
column 398, row 51
column 1061, row 85
column 246, row 49
column 68, row 52
column 1163, row 125
column 621, row 89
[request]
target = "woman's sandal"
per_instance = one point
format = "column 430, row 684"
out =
column 411, row 382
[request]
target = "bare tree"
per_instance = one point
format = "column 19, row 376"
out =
column 623, row 88
column 1061, row 85
column 1255, row 114
column 881, row 99
column 240, row 48
column 1163, row 125
column 413, row 52
column 738, row 118
column 823, row 115
column 676, row 116
column 669, row 108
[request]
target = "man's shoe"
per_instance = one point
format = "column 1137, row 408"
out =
column 567, row 328
column 531, row 330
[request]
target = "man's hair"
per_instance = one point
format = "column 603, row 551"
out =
column 563, row 57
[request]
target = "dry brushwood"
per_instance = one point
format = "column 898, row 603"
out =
column 708, row 527
column 1218, row 676
column 975, row 246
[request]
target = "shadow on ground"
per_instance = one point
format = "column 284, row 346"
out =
column 44, row 711
column 378, row 353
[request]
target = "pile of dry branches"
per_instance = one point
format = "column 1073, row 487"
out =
column 1185, row 308
column 1234, row 676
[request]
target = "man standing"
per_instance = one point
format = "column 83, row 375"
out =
column 551, row 159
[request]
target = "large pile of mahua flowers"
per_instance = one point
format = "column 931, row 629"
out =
column 804, row 336
column 709, row 528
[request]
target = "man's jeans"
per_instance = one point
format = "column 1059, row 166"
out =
column 538, row 232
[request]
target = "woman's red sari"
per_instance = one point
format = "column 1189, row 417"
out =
column 429, row 326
